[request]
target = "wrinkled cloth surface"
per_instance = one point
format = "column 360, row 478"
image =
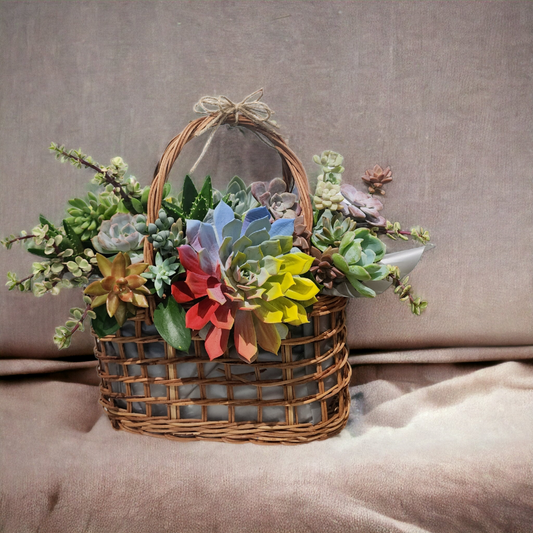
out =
column 428, row 448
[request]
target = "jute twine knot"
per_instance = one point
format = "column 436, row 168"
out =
column 221, row 107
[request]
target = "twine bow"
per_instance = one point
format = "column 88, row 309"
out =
column 222, row 107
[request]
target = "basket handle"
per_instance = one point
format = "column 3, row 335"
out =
column 293, row 170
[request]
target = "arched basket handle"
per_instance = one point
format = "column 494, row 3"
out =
column 293, row 170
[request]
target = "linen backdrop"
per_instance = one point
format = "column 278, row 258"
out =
column 440, row 91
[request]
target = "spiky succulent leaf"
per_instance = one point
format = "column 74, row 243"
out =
column 73, row 237
column 189, row 195
column 199, row 208
column 173, row 210
column 207, row 192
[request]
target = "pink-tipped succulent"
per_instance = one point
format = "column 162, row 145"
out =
column 361, row 206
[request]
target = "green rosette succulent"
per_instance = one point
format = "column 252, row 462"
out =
column 87, row 216
column 162, row 273
column 239, row 197
column 358, row 256
column 330, row 230
column 166, row 234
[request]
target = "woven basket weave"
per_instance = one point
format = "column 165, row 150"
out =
column 296, row 396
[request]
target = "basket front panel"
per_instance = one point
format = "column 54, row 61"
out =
column 147, row 386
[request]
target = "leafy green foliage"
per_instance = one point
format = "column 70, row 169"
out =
column 169, row 319
column 192, row 204
column 23, row 285
column 102, row 323
column 189, row 195
column 239, row 197
column 63, row 334
column 73, row 237
column 173, row 210
column 394, row 231
column 87, row 215
column 165, row 234
column 199, row 208
column 328, row 187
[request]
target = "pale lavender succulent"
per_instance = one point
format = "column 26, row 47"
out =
column 274, row 196
column 361, row 206
column 118, row 235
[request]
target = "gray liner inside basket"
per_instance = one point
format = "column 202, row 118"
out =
column 152, row 350
column 308, row 413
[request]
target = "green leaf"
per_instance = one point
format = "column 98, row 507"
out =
column 104, row 324
column 346, row 241
column 166, row 190
column 359, row 273
column 340, row 263
column 169, row 319
column 144, row 196
column 172, row 210
column 373, row 243
column 37, row 251
column 52, row 230
column 137, row 205
column 199, row 209
column 377, row 272
column 352, row 253
column 78, row 203
column 121, row 208
column 207, row 192
column 189, row 195
column 73, row 237
column 363, row 290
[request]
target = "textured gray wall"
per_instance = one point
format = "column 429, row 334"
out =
column 441, row 91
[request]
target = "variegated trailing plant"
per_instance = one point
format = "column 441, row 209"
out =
column 238, row 266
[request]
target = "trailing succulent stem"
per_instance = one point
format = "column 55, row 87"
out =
column 64, row 333
column 403, row 290
column 79, row 159
column 393, row 230
column 23, row 285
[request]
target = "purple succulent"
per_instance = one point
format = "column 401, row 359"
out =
column 274, row 196
column 361, row 206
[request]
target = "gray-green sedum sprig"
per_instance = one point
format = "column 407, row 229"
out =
column 166, row 234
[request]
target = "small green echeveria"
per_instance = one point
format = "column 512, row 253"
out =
column 358, row 256
column 162, row 273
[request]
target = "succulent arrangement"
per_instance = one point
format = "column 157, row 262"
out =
column 238, row 267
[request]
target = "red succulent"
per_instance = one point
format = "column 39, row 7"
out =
column 216, row 304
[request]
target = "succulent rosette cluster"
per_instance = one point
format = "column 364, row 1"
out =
column 118, row 234
column 275, row 197
column 122, row 288
column 239, row 267
column 243, row 276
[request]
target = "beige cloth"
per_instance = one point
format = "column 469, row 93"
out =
column 429, row 448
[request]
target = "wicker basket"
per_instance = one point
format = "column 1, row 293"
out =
column 296, row 396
